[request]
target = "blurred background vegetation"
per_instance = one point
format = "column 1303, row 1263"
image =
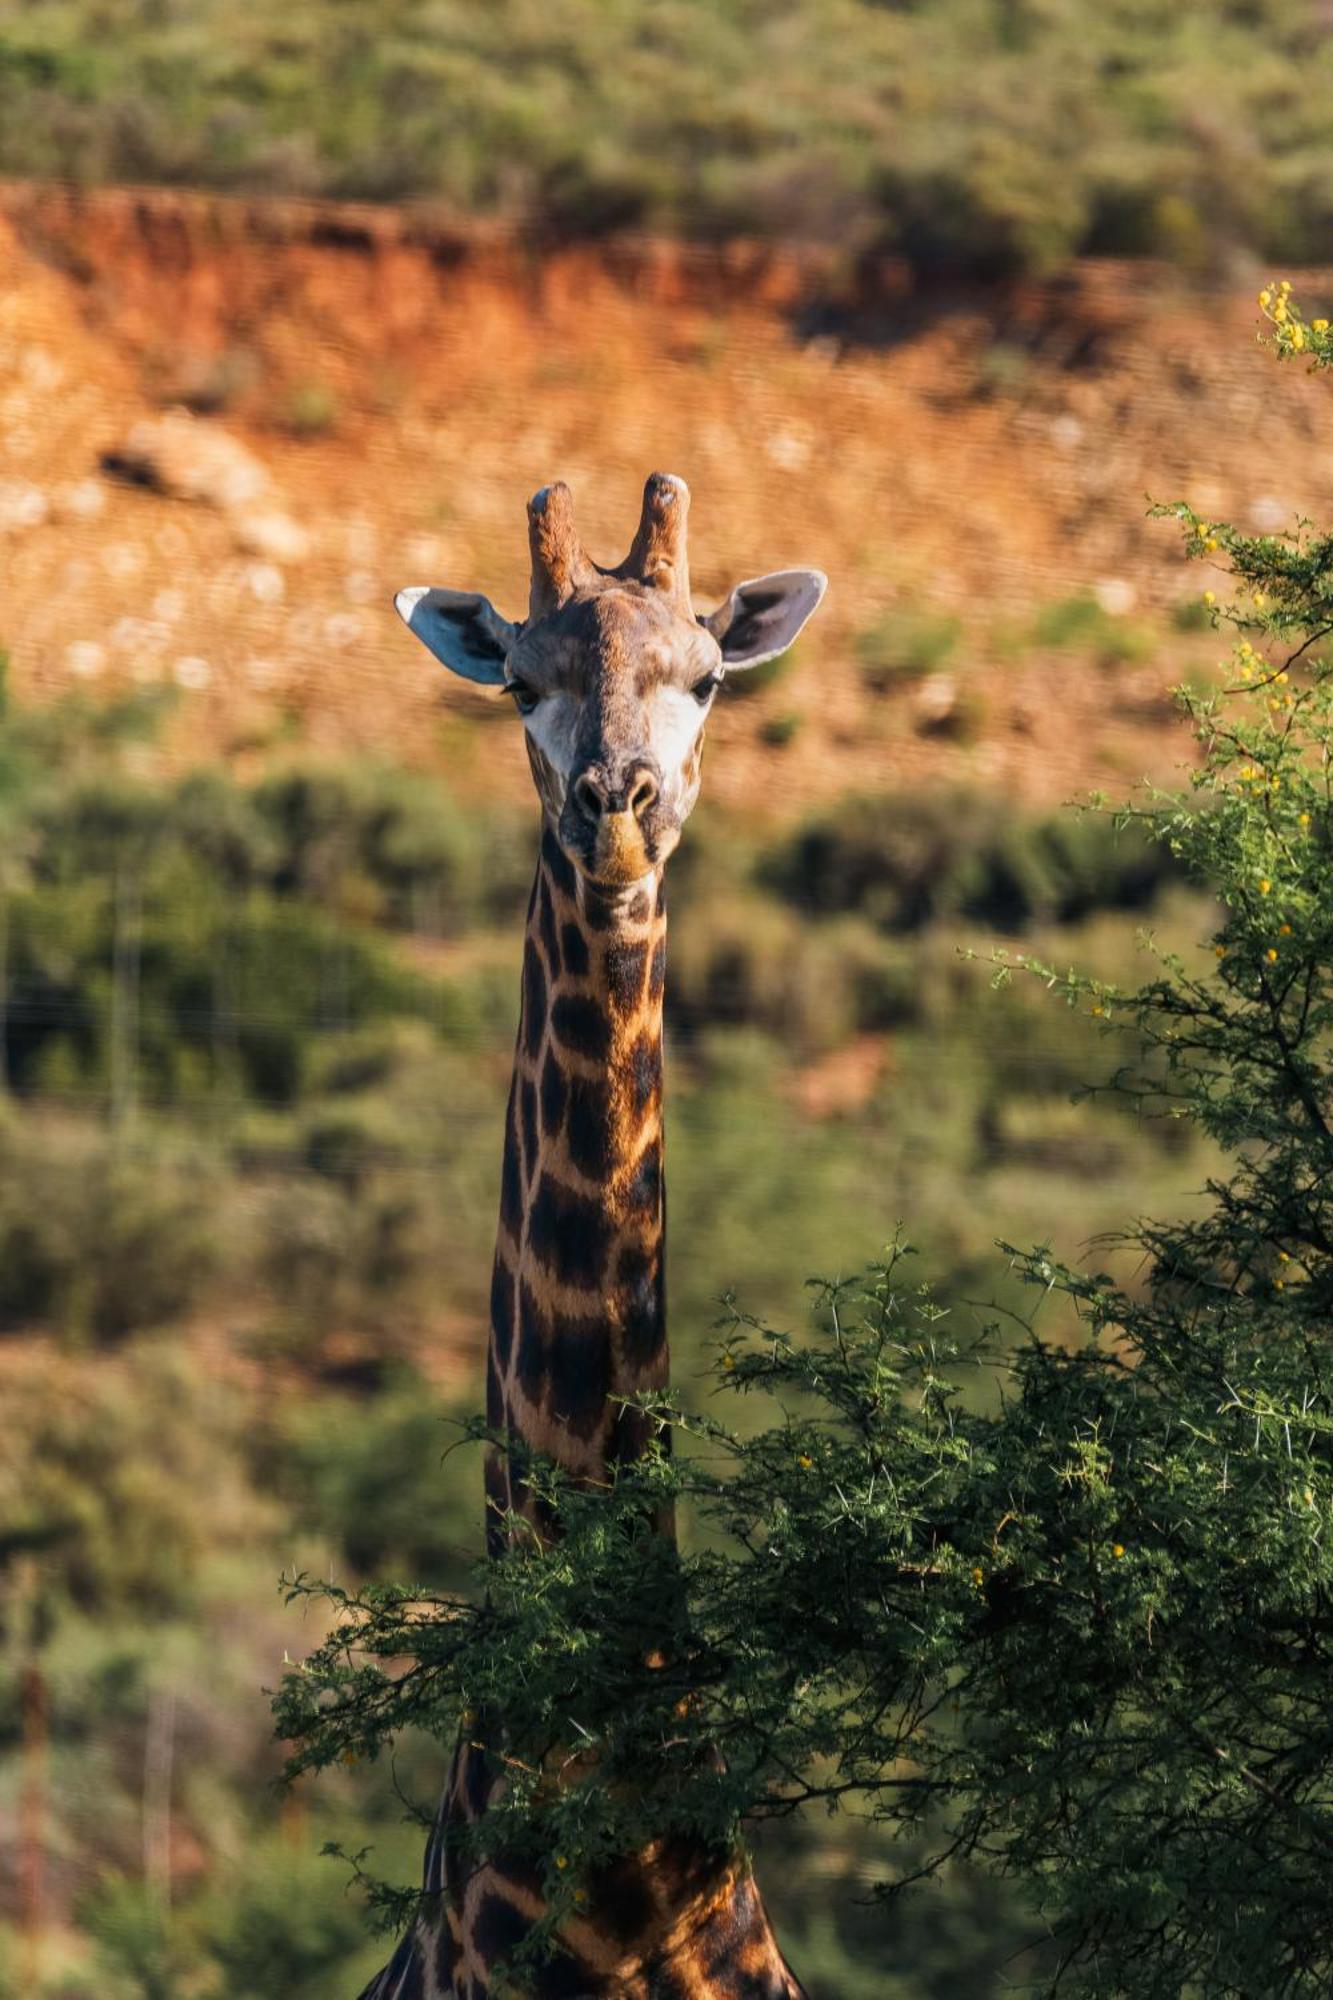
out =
column 986, row 134
column 256, row 1038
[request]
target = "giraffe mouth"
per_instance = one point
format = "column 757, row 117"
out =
column 622, row 849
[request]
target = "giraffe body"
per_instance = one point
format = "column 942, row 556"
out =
column 613, row 675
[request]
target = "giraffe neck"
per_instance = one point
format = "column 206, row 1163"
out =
column 577, row 1323
column 577, row 1318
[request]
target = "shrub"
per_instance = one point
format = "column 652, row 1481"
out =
column 280, row 1926
column 381, row 1482
column 1080, row 624
column 101, row 1453
column 98, row 1242
column 904, row 645
column 903, row 862
column 310, row 409
column 750, row 963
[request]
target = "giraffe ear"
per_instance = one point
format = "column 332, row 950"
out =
column 761, row 618
column 460, row 628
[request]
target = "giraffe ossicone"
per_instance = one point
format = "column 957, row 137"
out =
column 613, row 675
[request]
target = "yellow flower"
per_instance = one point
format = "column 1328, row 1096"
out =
column 1210, row 597
column 1319, row 325
column 1259, row 600
column 805, row 1461
column 978, row 1576
column 1284, row 1257
column 1304, row 819
column 1298, row 336
column 561, row 1861
column 1309, row 1496
column 1280, row 311
column 1265, row 298
column 1117, row 1548
column 1270, row 955
column 1219, row 951
column 1264, row 885
column 1098, row 1007
column 1284, row 930
column 1279, row 1285
column 729, row 1361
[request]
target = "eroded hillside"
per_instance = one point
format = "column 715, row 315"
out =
column 977, row 456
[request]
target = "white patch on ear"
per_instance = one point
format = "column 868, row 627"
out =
column 461, row 628
column 762, row 617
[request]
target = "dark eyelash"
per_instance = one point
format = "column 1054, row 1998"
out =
column 705, row 689
column 525, row 697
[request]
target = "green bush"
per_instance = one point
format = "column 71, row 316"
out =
column 141, row 1953
column 92, row 1486
column 383, row 1483
column 390, row 844
column 1080, row 624
column 749, row 962
column 96, row 1240
column 904, row 862
column 281, row 1926
column 904, row 646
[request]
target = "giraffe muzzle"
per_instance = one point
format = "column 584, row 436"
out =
column 599, row 797
column 615, row 826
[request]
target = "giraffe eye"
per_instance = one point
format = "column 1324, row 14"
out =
column 704, row 690
column 525, row 697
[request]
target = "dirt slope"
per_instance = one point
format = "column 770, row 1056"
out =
column 404, row 389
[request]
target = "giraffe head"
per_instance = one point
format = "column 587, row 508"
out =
column 613, row 674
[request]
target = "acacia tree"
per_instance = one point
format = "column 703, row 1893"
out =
column 1081, row 1632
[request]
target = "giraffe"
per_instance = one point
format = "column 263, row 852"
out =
column 613, row 676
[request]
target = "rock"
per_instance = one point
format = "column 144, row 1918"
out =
column 79, row 500
column 188, row 458
column 936, row 703
column 266, row 583
column 273, row 535
column 85, row 659
column 1115, row 595
column 22, row 505
column 1269, row 515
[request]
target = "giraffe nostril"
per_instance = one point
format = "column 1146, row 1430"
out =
column 589, row 798
column 643, row 794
